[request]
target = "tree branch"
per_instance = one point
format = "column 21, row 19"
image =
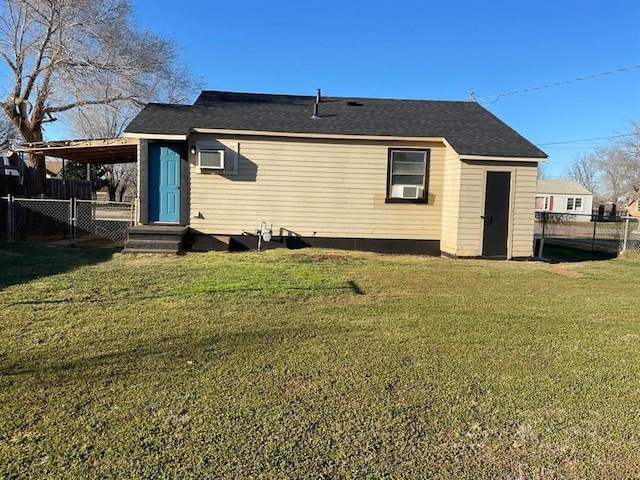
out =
column 41, row 50
column 104, row 101
column 8, row 61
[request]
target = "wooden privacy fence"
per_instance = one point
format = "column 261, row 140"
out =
column 60, row 188
column 57, row 188
column 73, row 219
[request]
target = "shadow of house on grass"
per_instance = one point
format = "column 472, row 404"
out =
column 168, row 355
column 565, row 254
column 22, row 263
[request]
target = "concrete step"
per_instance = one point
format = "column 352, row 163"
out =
column 156, row 239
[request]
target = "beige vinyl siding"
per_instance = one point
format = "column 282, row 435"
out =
column 472, row 181
column 451, row 202
column 521, row 217
column 311, row 187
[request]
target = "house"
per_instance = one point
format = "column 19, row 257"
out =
column 431, row 177
column 564, row 197
column 6, row 168
column 633, row 208
column 9, row 176
column 54, row 168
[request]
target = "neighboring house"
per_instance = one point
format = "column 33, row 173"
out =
column 54, row 168
column 564, row 197
column 633, row 209
column 436, row 177
column 6, row 169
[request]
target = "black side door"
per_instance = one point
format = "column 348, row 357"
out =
column 496, row 214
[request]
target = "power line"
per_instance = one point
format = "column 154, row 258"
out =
column 473, row 95
column 586, row 140
column 581, row 147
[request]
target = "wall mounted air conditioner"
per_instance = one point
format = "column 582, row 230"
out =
column 408, row 192
column 211, row 159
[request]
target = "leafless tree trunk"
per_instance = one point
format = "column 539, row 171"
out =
column 65, row 54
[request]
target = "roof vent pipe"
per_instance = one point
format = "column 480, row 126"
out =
column 315, row 115
column 318, row 96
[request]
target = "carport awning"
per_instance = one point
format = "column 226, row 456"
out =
column 104, row 151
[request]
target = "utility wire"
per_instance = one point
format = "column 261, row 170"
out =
column 586, row 140
column 473, row 95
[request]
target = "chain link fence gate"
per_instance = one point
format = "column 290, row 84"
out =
column 103, row 219
column 48, row 219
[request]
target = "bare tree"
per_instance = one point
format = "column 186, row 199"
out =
column 8, row 133
column 60, row 55
column 612, row 172
column 613, row 166
column 542, row 170
column 584, row 170
column 629, row 146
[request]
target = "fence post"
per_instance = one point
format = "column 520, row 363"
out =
column 10, row 220
column 593, row 240
column 626, row 234
column 72, row 220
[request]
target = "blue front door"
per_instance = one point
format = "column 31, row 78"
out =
column 164, row 183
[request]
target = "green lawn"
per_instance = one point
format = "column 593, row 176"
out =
column 316, row 364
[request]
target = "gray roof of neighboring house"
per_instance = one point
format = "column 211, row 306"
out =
column 468, row 127
column 561, row 187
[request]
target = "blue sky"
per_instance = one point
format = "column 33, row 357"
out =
column 426, row 50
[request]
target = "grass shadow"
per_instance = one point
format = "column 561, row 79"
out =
column 563, row 254
column 24, row 262
column 170, row 354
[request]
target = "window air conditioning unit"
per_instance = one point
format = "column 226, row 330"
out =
column 211, row 159
column 410, row 192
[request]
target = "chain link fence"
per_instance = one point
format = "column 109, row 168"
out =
column 591, row 232
column 72, row 220
column 47, row 218
column 631, row 238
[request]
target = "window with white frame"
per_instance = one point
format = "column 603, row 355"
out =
column 570, row 203
column 574, row 203
column 408, row 175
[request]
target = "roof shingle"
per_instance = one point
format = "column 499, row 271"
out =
column 468, row 127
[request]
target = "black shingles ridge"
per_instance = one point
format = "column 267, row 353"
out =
column 468, row 127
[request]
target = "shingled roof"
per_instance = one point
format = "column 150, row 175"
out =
column 468, row 127
column 559, row 187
